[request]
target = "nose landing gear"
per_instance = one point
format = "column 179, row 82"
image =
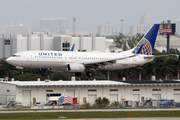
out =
column 88, row 74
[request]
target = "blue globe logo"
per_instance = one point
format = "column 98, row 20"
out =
column 146, row 49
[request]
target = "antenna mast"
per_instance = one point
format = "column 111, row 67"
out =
column 59, row 27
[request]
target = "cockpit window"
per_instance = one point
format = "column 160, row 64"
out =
column 16, row 55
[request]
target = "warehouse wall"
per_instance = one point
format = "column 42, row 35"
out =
column 121, row 92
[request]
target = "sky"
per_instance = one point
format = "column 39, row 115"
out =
column 89, row 13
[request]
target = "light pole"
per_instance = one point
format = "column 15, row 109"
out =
column 122, row 20
column 158, row 97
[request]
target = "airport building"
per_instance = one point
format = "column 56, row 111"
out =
column 161, row 42
column 10, row 44
column 87, row 91
column 177, row 27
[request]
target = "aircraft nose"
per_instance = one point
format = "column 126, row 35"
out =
column 8, row 60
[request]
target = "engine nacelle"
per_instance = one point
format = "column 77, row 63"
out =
column 76, row 67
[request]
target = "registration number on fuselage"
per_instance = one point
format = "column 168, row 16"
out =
column 124, row 65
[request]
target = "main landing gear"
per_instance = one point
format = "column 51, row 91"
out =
column 89, row 74
column 78, row 74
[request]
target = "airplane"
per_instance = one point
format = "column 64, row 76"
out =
column 77, row 62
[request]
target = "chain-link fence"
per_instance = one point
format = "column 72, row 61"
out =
column 161, row 103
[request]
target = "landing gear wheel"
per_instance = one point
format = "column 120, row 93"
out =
column 21, row 71
column 78, row 74
column 89, row 74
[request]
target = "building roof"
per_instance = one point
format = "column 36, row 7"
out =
column 48, row 83
column 64, row 83
column 152, row 82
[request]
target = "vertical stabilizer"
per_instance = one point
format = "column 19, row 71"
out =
column 146, row 44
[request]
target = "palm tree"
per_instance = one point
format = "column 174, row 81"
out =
column 167, row 66
column 124, row 73
column 135, row 72
column 145, row 68
column 154, row 66
column 139, row 70
column 118, row 40
column 7, row 70
column 178, row 65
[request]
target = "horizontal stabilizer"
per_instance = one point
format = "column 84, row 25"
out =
column 152, row 56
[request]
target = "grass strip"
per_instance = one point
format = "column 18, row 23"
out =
column 70, row 115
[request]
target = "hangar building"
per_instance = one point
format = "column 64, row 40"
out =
column 26, row 91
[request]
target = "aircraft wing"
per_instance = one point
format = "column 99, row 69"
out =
column 95, row 64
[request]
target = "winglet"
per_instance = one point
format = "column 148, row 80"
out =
column 147, row 41
column 72, row 49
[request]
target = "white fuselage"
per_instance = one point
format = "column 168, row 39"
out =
column 60, row 59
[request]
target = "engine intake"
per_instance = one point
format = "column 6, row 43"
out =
column 76, row 67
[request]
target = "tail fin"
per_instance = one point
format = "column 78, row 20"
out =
column 146, row 44
column 72, row 49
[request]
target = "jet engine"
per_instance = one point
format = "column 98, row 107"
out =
column 76, row 67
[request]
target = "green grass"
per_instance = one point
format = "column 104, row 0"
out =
column 83, row 109
column 122, row 114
